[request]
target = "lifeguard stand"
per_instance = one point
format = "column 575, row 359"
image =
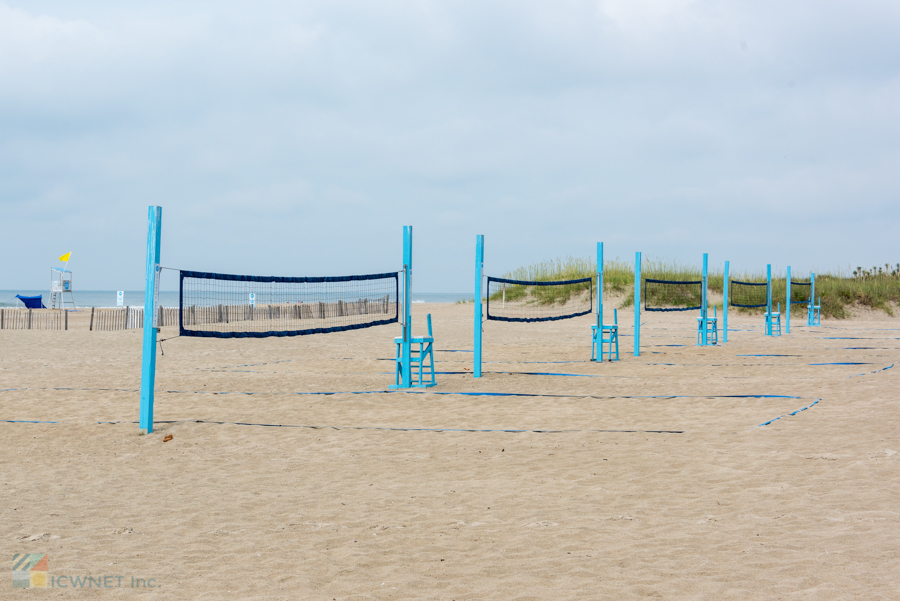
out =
column 60, row 286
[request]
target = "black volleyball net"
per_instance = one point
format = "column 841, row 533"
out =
column 800, row 292
column 673, row 295
column 748, row 294
column 238, row 306
column 520, row 300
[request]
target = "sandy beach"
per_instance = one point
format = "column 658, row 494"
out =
column 293, row 473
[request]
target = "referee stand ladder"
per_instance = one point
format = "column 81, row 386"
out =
column 712, row 328
column 773, row 322
column 814, row 313
column 605, row 338
column 423, row 357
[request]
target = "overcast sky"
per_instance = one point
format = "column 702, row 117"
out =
column 297, row 138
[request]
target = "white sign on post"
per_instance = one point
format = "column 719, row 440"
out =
column 252, row 299
column 120, row 298
column 156, row 299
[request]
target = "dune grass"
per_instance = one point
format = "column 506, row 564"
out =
column 570, row 268
column 876, row 288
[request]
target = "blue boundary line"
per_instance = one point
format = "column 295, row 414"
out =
column 872, row 372
column 503, row 394
column 448, row 393
column 474, row 430
column 787, row 414
column 247, row 365
column 854, row 338
column 840, row 363
column 398, row 429
column 532, row 373
column 861, row 329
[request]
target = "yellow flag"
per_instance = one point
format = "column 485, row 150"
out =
column 65, row 257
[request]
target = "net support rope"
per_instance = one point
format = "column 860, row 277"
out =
column 527, row 301
column 242, row 306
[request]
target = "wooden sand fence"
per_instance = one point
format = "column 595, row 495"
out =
column 34, row 319
column 196, row 316
column 127, row 318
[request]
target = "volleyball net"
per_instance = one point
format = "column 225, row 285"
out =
column 672, row 295
column 524, row 301
column 800, row 292
column 748, row 294
column 242, row 306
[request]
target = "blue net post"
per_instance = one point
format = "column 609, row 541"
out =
column 406, row 373
column 597, row 342
column 148, row 355
column 703, row 303
column 600, row 286
column 787, row 316
column 810, row 317
column 479, row 267
column 637, row 304
column 769, row 299
column 725, row 305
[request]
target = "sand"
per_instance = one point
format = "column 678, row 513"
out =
column 650, row 477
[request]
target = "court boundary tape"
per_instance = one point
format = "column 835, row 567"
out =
column 872, row 372
column 440, row 393
column 377, row 428
column 401, row 429
column 787, row 414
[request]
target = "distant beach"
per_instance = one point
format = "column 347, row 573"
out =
column 169, row 298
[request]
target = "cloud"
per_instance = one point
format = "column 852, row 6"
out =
column 297, row 138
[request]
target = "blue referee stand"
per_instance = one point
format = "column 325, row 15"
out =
column 707, row 327
column 603, row 336
column 814, row 311
column 151, row 291
column 423, row 356
column 773, row 318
